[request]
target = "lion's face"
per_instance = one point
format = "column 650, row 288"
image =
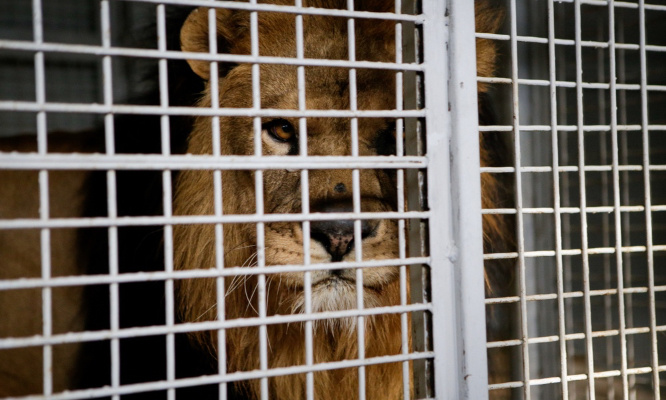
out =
column 329, row 190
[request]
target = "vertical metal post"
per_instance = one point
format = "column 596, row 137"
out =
column 44, row 213
column 305, row 206
column 414, row 144
column 583, row 201
column 557, row 202
column 167, row 195
column 111, row 186
column 520, row 230
column 616, row 200
column 220, row 292
column 647, row 200
column 455, row 200
column 466, row 192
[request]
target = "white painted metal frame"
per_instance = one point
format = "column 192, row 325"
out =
column 455, row 240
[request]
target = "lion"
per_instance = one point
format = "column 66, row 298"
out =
column 78, row 194
column 329, row 191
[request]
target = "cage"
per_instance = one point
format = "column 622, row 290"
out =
column 583, row 87
column 290, row 200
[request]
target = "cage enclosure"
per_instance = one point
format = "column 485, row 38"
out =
column 315, row 199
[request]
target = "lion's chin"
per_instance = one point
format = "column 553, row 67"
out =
column 336, row 294
column 333, row 294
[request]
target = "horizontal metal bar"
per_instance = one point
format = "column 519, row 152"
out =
column 226, row 378
column 563, row 128
column 87, row 336
column 570, row 378
column 568, row 295
column 29, row 46
column 82, row 280
column 97, row 222
column 570, row 168
column 330, row 12
column 569, row 128
column 564, row 210
column 103, row 162
column 29, row 106
column 569, row 84
column 572, row 336
column 572, row 252
column 617, row 4
column 569, row 42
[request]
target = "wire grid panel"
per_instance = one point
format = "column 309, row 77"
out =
column 584, row 85
column 182, row 245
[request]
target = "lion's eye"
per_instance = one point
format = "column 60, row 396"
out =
column 281, row 130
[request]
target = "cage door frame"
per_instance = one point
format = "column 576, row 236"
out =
column 454, row 198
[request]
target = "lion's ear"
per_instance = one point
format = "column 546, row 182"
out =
column 488, row 20
column 194, row 36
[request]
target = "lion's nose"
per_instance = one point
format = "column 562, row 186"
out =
column 337, row 236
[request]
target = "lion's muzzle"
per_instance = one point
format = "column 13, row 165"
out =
column 337, row 236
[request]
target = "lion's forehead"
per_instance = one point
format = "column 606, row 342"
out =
column 323, row 37
column 326, row 88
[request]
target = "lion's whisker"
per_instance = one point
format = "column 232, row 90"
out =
column 256, row 286
column 205, row 312
column 240, row 246
column 239, row 279
column 279, row 284
column 235, row 284
column 249, row 301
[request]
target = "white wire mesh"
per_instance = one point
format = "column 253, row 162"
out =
column 586, row 139
column 117, row 237
column 588, row 298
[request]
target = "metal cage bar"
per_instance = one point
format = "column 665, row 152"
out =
column 455, row 243
column 650, row 248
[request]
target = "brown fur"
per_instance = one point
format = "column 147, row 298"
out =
column 488, row 20
column 326, row 88
column 20, row 257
